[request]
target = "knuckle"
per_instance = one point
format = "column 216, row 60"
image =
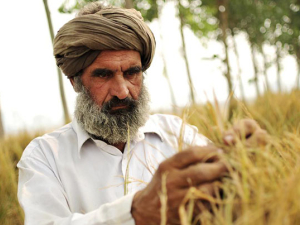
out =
column 193, row 152
column 170, row 184
column 162, row 168
column 201, row 174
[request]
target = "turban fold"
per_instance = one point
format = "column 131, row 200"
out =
column 79, row 42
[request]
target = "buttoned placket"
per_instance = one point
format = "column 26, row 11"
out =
column 126, row 158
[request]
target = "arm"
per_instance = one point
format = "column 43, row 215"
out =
column 44, row 200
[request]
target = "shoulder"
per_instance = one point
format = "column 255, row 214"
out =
column 166, row 119
column 171, row 126
column 43, row 145
column 170, row 122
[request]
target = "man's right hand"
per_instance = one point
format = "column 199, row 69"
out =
column 196, row 167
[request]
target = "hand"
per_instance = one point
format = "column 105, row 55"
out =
column 247, row 130
column 199, row 167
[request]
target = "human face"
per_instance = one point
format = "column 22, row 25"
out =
column 114, row 74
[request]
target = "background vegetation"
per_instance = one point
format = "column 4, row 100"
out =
column 263, row 187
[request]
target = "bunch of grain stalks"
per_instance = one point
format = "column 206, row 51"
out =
column 263, row 183
column 11, row 149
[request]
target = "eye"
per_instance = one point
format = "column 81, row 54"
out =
column 133, row 71
column 102, row 73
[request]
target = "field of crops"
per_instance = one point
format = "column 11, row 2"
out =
column 263, row 186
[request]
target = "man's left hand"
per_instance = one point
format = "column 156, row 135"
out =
column 246, row 130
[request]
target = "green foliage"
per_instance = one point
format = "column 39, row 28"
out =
column 200, row 18
column 148, row 8
column 65, row 8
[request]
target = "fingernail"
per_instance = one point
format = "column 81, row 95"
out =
column 228, row 139
column 220, row 151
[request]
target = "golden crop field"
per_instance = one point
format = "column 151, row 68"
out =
column 263, row 185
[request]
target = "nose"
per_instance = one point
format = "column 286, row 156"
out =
column 119, row 87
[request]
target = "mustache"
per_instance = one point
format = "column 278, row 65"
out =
column 115, row 101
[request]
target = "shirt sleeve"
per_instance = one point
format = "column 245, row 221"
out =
column 192, row 137
column 44, row 200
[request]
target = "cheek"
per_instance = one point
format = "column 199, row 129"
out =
column 135, row 89
column 98, row 94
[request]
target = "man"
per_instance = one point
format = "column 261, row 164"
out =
column 101, row 168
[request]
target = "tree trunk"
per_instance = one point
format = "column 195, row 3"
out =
column 278, row 68
column 1, row 125
column 60, row 80
column 223, row 17
column 129, row 4
column 184, row 53
column 297, row 56
column 255, row 69
column 192, row 95
column 238, row 66
column 165, row 73
column 265, row 68
column 298, row 75
column 165, row 70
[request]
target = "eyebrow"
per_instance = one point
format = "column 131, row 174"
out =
column 100, row 71
column 134, row 69
column 103, row 71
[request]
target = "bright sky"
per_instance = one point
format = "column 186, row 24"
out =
column 29, row 94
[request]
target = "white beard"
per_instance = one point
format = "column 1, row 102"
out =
column 114, row 127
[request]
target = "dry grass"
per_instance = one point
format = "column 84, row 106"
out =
column 263, row 186
column 11, row 149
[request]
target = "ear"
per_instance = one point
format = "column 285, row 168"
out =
column 72, row 81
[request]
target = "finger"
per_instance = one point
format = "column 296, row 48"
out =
column 259, row 138
column 191, row 156
column 243, row 129
column 198, row 174
column 175, row 199
column 209, row 188
column 229, row 138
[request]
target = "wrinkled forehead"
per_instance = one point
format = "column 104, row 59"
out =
column 116, row 61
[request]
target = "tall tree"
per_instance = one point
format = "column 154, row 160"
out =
column 266, row 65
column 253, row 55
column 184, row 54
column 210, row 19
column 278, row 66
column 239, row 73
column 288, row 30
column 223, row 6
column 60, row 80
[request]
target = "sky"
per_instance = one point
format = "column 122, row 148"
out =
column 29, row 95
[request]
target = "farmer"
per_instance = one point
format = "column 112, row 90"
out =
column 111, row 164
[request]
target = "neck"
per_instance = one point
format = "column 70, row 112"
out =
column 120, row 146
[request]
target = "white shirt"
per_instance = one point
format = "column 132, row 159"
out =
column 66, row 177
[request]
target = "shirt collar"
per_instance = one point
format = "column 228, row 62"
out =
column 151, row 127
column 83, row 136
